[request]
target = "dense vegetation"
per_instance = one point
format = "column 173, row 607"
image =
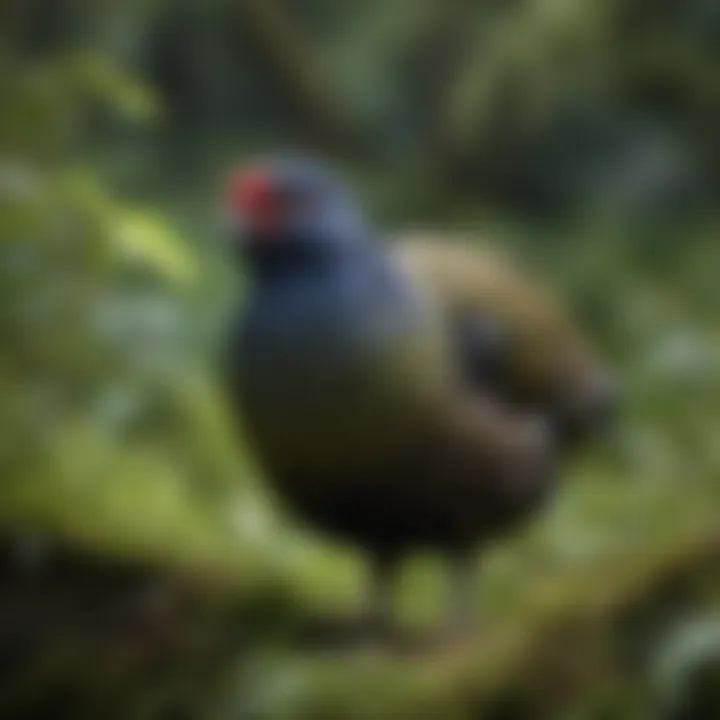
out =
column 143, row 568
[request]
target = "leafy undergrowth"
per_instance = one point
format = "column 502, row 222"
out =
column 563, row 624
column 564, row 650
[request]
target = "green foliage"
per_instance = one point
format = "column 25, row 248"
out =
column 143, row 237
column 106, row 435
column 114, row 437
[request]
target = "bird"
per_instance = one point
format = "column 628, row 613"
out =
column 364, row 380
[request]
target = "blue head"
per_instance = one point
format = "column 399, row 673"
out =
column 290, row 213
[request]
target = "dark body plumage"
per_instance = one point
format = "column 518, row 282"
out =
column 354, row 401
column 361, row 393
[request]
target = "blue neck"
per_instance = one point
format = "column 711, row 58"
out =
column 280, row 260
column 270, row 263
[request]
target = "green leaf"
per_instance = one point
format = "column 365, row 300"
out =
column 144, row 238
column 101, row 77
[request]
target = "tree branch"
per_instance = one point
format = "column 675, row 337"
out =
column 295, row 65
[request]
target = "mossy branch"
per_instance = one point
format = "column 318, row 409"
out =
column 95, row 631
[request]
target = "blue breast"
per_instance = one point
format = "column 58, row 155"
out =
column 319, row 359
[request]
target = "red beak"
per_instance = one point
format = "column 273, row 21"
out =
column 253, row 199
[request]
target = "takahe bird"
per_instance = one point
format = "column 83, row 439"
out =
column 367, row 397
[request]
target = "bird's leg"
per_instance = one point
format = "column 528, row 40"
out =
column 380, row 595
column 461, row 619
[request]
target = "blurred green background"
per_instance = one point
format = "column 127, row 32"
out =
column 144, row 572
